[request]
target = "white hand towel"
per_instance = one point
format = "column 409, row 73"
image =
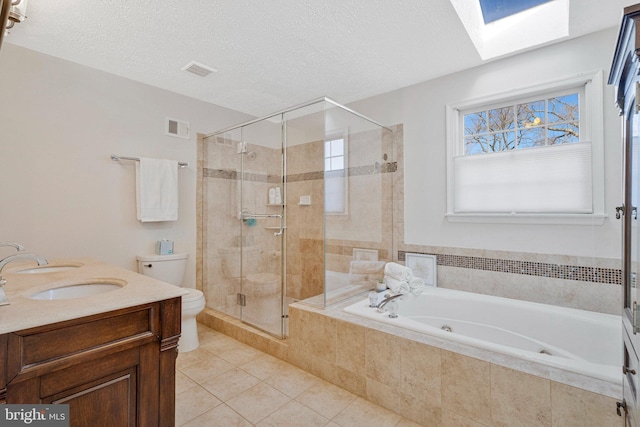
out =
column 397, row 286
column 157, row 189
column 398, row 271
column 416, row 285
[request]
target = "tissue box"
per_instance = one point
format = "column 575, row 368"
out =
column 164, row 247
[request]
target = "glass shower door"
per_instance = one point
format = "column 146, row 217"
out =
column 262, row 230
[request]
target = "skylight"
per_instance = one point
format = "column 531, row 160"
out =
column 512, row 25
column 493, row 10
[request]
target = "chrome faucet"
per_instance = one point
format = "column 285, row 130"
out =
column 18, row 246
column 393, row 308
column 7, row 260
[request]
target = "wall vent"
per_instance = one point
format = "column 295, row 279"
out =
column 198, row 69
column 177, row 128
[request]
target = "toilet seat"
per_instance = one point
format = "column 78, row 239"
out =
column 193, row 300
column 192, row 295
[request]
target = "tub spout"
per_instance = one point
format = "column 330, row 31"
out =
column 387, row 299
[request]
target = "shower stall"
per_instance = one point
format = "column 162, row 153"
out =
column 296, row 206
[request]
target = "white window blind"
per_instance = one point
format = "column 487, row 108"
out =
column 502, row 182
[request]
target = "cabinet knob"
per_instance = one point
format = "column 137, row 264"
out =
column 148, row 265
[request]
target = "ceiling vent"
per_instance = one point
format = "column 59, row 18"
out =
column 198, row 69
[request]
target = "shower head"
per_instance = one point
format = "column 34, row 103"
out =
column 251, row 155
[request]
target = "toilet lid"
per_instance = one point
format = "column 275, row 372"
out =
column 263, row 278
column 192, row 295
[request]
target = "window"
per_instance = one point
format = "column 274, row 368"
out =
column 534, row 153
column 493, row 10
column 537, row 123
column 335, row 183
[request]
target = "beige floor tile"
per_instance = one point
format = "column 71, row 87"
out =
column 407, row 423
column 239, row 355
column 191, row 358
column 258, row 402
column 230, row 384
column 294, row 414
column 264, row 366
column 362, row 413
column 220, row 416
column 207, row 368
column 183, row 382
column 192, row 403
column 219, row 343
column 326, row 399
column 292, row 381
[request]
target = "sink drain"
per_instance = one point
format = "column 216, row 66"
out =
column 446, row 328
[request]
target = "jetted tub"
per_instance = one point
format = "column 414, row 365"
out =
column 584, row 342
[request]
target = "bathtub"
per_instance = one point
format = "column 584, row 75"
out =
column 584, row 342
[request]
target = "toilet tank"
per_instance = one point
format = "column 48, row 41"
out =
column 168, row 268
column 230, row 258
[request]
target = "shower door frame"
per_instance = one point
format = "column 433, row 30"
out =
column 259, row 216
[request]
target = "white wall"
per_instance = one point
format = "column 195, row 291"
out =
column 62, row 196
column 60, row 193
column 422, row 110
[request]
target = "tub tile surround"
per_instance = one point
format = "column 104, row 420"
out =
column 426, row 379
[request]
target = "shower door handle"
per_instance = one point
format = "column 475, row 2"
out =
column 279, row 232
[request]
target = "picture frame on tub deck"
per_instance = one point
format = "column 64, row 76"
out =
column 424, row 267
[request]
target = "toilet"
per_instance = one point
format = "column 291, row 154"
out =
column 171, row 269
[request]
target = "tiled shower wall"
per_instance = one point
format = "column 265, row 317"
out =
column 584, row 283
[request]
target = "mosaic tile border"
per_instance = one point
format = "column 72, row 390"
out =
column 389, row 167
column 529, row 268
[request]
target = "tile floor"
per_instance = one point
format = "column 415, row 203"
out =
column 229, row 384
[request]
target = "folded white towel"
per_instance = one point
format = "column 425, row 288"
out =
column 397, row 286
column 416, row 285
column 157, row 190
column 398, row 272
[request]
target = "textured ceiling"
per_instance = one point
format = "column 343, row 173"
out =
column 270, row 54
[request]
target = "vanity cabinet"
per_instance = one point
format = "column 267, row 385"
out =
column 115, row 368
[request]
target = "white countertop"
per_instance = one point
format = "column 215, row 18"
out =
column 24, row 312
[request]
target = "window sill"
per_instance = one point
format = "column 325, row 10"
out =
column 545, row 219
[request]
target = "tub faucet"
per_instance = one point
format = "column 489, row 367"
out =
column 7, row 260
column 387, row 299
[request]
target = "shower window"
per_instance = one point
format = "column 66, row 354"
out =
column 528, row 153
column 335, row 161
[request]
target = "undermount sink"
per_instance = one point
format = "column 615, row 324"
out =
column 46, row 269
column 79, row 290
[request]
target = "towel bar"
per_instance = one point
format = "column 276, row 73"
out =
column 137, row 159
